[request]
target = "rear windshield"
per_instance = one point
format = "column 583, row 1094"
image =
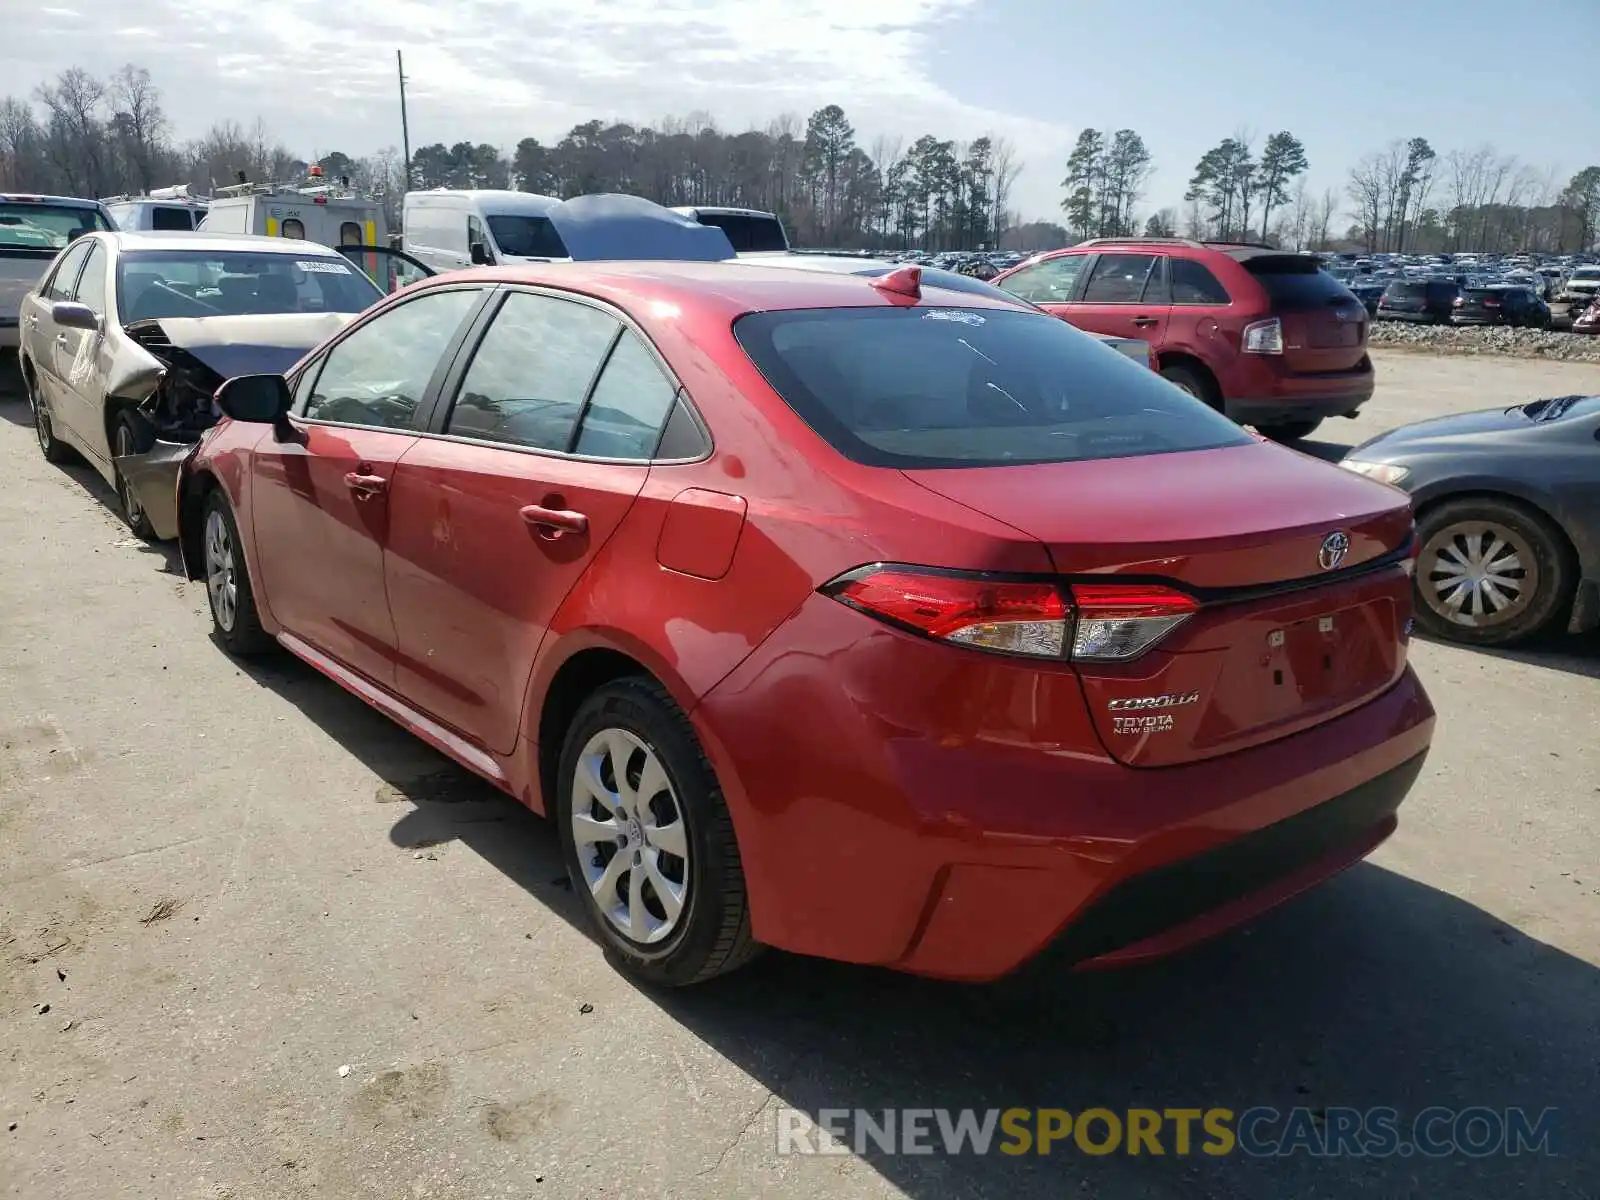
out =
column 748, row 234
column 26, row 226
column 1294, row 281
column 158, row 284
column 527, row 237
column 924, row 387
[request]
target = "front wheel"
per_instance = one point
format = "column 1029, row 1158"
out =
column 1490, row 572
column 1290, row 431
column 648, row 841
column 131, row 434
column 233, row 603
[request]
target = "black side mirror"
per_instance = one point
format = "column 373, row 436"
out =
column 258, row 399
column 479, row 254
column 69, row 314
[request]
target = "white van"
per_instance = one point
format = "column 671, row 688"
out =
column 162, row 209
column 750, row 231
column 449, row 230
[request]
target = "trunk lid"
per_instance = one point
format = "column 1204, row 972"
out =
column 1324, row 323
column 1278, row 645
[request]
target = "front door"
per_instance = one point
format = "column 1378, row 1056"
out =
column 496, row 520
column 387, row 267
column 320, row 499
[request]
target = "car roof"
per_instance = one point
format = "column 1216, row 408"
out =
column 728, row 288
column 59, row 201
column 218, row 243
column 501, row 199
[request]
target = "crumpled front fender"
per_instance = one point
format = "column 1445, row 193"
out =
column 134, row 371
column 153, row 478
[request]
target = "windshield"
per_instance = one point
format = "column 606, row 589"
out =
column 26, row 226
column 748, row 234
column 943, row 387
column 527, row 237
column 154, row 284
column 1587, row 273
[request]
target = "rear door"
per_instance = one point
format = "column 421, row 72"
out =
column 1324, row 325
column 83, row 360
column 1125, row 296
column 39, row 332
column 542, row 443
column 1198, row 307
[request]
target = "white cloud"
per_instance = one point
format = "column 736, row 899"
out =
column 322, row 75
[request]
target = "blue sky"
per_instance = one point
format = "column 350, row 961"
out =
column 1347, row 76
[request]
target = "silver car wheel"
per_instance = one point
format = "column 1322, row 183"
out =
column 222, row 584
column 1478, row 573
column 130, row 503
column 41, row 425
column 628, row 830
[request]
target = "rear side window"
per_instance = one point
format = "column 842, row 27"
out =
column 748, row 234
column 1119, row 278
column 943, row 387
column 1193, row 283
column 1295, row 281
column 531, row 372
column 169, row 219
column 629, row 405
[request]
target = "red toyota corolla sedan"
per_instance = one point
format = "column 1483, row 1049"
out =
column 847, row 615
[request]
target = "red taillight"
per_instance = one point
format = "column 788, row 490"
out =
column 1491, row 304
column 1104, row 623
column 1118, row 621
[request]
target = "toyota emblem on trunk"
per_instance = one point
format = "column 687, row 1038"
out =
column 1334, row 547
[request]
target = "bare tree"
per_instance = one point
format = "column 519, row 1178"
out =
column 75, row 129
column 1006, row 169
column 139, row 122
column 1366, row 188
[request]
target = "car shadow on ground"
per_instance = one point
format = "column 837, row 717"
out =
column 1374, row 990
column 1575, row 654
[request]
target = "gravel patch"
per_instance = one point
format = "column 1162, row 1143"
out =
column 1486, row 339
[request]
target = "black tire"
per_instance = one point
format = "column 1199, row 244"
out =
column 132, row 434
column 1555, row 579
column 53, row 448
column 1290, row 431
column 241, row 635
column 1191, row 381
column 712, row 935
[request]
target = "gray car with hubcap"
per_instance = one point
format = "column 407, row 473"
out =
column 1508, row 517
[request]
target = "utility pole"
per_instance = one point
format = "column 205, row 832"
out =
column 405, row 128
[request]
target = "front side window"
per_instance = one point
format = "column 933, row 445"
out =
column 66, row 273
column 92, row 283
column 942, row 387
column 1048, row 282
column 525, row 237
column 1119, row 279
column 532, row 371
column 156, row 284
column 379, row 373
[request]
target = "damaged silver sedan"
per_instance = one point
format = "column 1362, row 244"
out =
column 126, row 338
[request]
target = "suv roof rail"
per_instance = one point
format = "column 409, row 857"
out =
column 1153, row 241
column 1255, row 246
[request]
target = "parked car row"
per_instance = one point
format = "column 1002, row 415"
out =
column 775, row 587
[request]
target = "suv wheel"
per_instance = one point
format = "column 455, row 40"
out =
column 1190, row 381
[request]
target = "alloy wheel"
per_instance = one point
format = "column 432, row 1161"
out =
column 41, row 426
column 222, row 584
column 1478, row 573
column 631, row 839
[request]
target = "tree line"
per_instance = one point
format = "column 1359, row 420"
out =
column 83, row 135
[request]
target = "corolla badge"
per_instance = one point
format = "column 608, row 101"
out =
column 1334, row 547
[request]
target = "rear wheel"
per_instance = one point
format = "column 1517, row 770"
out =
column 648, row 841
column 1490, row 572
column 53, row 449
column 1290, row 431
column 131, row 434
column 1191, row 381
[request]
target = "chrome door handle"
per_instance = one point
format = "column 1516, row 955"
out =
column 365, row 485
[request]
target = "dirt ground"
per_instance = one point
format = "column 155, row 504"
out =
column 256, row 942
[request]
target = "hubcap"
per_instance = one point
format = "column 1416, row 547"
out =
column 1478, row 573
column 629, row 833
column 130, row 502
column 222, row 585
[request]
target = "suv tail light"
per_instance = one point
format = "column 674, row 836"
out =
column 1088, row 622
column 1263, row 337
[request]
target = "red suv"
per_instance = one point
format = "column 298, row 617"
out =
column 1267, row 337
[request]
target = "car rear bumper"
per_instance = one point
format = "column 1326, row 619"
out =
column 1282, row 409
column 965, row 854
column 1389, row 314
